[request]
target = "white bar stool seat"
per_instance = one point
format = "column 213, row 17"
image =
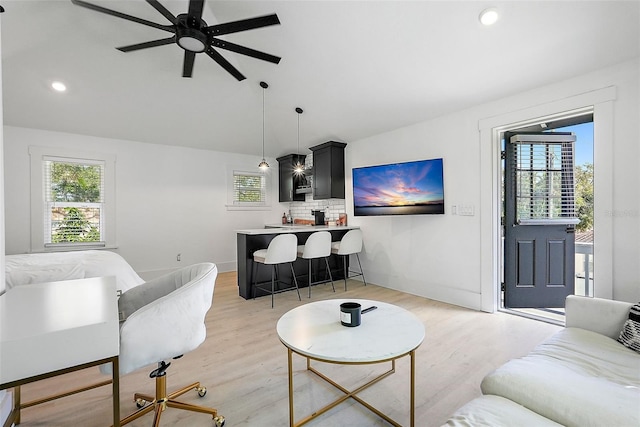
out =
column 350, row 244
column 318, row 245
column 281, row 250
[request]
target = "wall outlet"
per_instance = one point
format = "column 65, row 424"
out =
column 178, row 257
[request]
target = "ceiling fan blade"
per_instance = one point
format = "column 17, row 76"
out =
column 187, row 66
column 243, row 25
column 222, row 44
column 163, row 10
column 122, row 15
column 195, row 8
column 225, row 64
column 146, row 45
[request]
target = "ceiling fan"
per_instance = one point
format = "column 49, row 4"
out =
column 192, row 34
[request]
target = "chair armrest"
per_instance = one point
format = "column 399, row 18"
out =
column 599, row 315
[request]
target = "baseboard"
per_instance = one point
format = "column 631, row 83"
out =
column 447, row 294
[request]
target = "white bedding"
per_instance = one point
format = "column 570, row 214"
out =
column 26, row 269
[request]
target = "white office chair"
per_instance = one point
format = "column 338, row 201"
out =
column 160, row 320
column 351, row 243
column 318, row 245
column 281, row 250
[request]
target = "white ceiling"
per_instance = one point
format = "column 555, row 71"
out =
column 357, row 68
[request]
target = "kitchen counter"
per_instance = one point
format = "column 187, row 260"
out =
column 250, row 240
column 293, row 228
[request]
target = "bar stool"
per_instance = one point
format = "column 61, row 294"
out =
column 351, row 243
column 318, row 245
column 282, row 249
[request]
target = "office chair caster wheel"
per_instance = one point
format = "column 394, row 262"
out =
column 202, row 391
column 140, row 403
column 219, row 420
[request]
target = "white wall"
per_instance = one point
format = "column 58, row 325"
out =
column 444, row 256
column 169, row 200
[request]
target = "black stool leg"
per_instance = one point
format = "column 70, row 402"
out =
column 326, row 261
column 293, row 273
column 310, row 277
column 361, row 270
column 273, row 270
column 346, row 272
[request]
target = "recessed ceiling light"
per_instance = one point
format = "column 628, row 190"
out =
column 489, row 16
column 59, row 86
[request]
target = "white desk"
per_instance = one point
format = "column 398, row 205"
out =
column 49, row 329
column 314, row 331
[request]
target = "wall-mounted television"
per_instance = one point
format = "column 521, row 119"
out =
column 410, row 188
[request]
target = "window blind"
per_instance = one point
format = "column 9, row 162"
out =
column 544, row 179
column 74, row 201
column 249, row 188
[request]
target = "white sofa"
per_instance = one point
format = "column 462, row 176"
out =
column 581, row 376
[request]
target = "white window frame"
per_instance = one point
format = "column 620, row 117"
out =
column 235, row 205
column 39, row 203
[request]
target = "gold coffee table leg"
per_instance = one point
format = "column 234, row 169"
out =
column 291, row 420
column 413, row 387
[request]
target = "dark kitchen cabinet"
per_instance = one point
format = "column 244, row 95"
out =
column 328, row 170
column 289, row 181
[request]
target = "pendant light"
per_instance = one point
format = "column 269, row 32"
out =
column 263, row 164
column 299, row 167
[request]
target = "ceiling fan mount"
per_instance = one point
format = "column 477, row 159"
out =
column 193, row 35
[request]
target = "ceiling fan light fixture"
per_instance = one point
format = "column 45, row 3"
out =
column 192, row 40
column 489, row 16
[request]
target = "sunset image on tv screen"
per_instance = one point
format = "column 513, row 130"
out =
column 399, row 189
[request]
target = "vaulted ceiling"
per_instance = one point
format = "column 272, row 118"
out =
column 357, row 68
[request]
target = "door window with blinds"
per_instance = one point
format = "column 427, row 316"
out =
column 544, row 179
column 72, row 199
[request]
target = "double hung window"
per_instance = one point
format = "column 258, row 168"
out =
column 72, row 204
column 74, row 201
column 247, row 190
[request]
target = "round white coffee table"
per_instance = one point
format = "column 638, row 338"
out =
column 385, row 334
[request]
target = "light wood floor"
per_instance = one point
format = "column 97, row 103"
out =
column 244, row 367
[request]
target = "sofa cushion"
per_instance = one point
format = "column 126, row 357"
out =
column 496, row 411
column 575, row 378
column 630, row 334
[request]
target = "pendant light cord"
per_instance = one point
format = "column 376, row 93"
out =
column 263, row 89
column 299, row 166
column 263, row 164
column 298, row 133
